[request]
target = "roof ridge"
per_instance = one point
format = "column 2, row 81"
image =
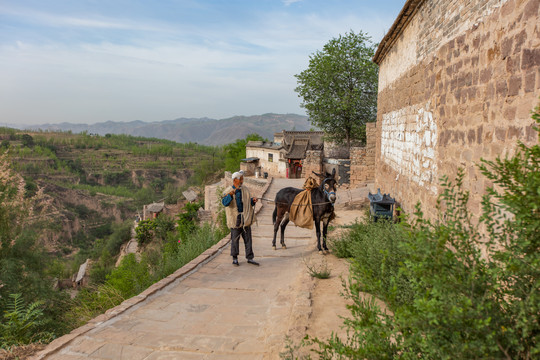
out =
column 407, row 12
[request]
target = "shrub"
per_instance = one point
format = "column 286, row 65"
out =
column 30, row 187
column 145, row 231
column 23, row 324
column 176, row 255
column 473, row 284
column 91, row 302
column 375, row 252
column 341, row 247
column 131, row 277
column 164, row 225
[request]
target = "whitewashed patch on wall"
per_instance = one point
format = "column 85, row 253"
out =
column 408, row 144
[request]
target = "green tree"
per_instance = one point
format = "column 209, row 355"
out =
column 188, row 219
column 236, row 151
column 27, row 140
column 339, row 87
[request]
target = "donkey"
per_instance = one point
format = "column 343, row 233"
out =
column 322, row 200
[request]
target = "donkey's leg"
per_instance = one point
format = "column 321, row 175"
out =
column 283, row 226
column 278, row 220
column 276, row 228
column 325, row 231
column 318, row 232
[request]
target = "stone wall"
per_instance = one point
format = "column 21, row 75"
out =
column 458, row 85
column 249, row 168
column 312, row 162
column 363, row 160
column 335, row 151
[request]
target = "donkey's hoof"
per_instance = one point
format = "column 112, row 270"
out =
column 273, row 247
column 320, row 252
column 283, row 246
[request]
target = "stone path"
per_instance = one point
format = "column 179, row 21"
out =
column 218, row 311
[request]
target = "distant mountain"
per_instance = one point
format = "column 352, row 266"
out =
column 200, row 130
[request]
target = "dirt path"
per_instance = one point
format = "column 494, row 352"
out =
column 329, row 306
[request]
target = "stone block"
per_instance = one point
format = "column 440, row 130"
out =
column 530, row 79
column 508, row 8
column 512, row 64
column 514, row 85
column 531, row 9
column 519, row 41
column 509, row 113
column 530, row 58
column 502, row 88
column 514, row 133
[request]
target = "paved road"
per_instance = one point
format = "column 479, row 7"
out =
column 217, row 312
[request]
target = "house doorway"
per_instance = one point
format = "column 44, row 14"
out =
column 295, row 169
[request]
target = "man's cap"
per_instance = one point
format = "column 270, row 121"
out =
column 238, row 175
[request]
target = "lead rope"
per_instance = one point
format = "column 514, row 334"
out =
column 284, row 203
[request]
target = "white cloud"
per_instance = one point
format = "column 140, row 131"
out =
column 289, row 2
column 61, row 21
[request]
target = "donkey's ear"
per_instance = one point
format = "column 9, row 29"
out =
column 319, row 175
column 333, row 172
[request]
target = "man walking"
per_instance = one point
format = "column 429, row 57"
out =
column 240, row 211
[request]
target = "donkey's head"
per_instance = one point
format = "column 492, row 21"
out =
column 328, row 185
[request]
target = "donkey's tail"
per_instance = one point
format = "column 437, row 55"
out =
column 274, row 215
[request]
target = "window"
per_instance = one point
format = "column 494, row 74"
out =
column 270, row 157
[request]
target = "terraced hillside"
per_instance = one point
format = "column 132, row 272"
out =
column 82, row 183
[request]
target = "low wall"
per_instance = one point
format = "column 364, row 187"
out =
column 363, row 159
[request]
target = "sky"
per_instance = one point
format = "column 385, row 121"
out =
column 90, row 61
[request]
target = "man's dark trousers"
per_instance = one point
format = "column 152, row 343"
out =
column 235, row 241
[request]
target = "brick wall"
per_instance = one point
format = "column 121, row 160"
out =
column 363, row 160
column 468, row 78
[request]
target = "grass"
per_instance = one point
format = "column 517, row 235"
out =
column 316, row 269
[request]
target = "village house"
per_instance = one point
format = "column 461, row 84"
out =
column 458, row 80
column 153, row 210
column 284, row 156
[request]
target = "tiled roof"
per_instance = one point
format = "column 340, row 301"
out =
column 155, row 207
column 297, row 150
column 295, row 143
column 263, row 144
column 190, row 195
